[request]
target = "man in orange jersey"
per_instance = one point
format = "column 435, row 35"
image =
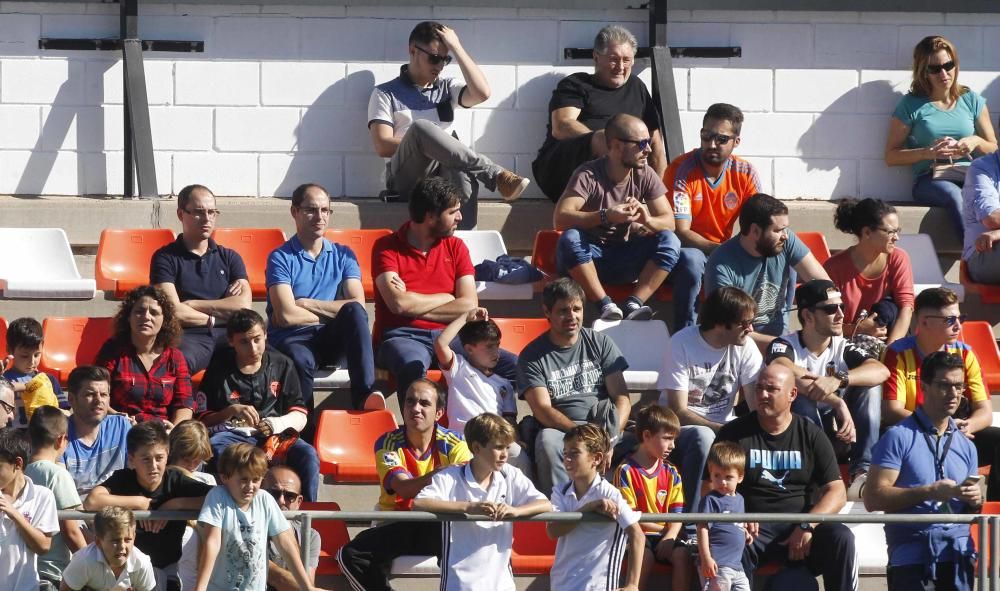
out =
column 706, row 187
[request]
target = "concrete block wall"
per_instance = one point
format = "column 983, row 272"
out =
column 279, row 96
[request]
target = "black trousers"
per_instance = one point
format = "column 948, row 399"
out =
column 987, row 444
column 367, row 558
column 831, row 554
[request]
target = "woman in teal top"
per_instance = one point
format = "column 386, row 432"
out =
column 938, row 122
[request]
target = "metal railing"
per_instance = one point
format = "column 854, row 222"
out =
column 988, row 536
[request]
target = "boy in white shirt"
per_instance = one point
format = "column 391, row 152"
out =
column 111, row 563
column 589, row 554
column 479, row 551
column 27, row 516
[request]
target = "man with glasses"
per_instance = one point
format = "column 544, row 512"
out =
column 706, row 187
column 616, row 222
column 938, row 327
column 981, row 214
column 924, row 466
column 316, row 304
column 411, row 120
column 839, row 384
column 7, row 407
column 707, row 366
column 581, row 105
column 204, row 281
column 282, row 483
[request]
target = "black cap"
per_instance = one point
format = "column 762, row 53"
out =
column 815, row 292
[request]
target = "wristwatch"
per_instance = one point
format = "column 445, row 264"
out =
column 844, row 378
column 806, row 526
column 604, row 216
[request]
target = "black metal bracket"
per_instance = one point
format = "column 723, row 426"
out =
column 56, row 44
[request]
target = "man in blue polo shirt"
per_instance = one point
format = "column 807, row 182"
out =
column 316, row 304
column 926, row 465
column 205, row 282
column 410, row 119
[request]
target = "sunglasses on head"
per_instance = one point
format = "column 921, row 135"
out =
column 434, row 58
column 719, row 138
column 287, row 495
column 830, row 309
column 950, row 320
column 936, row 68
column 643, row 144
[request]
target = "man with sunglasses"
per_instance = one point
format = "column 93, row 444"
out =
column 7, row 407
column 204, row 281
column 617, row 223
column 836, row 380
column 581, row 105
column 282, row 483
column 706, row 187
column 938, row 327
column 411, row 120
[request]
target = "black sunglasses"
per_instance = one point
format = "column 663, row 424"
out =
column 719, row 138
column 950, row 320
column 936, row 68
column 434, row 58
column 643, row 144
column 7, row 407
column 829, row 309
column 287, row 495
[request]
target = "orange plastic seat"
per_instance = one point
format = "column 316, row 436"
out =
column 817, row 245
column 533, row 552
column 361, row 242
column 123, row 258
column 71, row 341
column 3, row 337
column 254, row 245
column 516, row 333
column 345, row 442
column 988, row 294
column 989, row 508
column 979, row 335
column 333, row 536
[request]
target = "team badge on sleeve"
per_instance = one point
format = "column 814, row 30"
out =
column 391, row 459
column 682, row 203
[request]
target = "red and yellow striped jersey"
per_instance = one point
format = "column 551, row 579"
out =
column 658, row 490
column 903, row 360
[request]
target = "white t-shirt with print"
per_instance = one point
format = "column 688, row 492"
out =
column 18, row 564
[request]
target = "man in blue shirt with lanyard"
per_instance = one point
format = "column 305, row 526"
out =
column 925, row 465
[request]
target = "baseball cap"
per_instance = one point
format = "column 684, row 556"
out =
column 815, row 292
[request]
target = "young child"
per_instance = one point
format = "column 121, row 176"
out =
column 651, row 484
column 111, row 562
column 720, row 545
column 149, row 485
column 27, row 517
column 473, row 387
column 47, row 430
column 31, row 387
column 236, row 522
column 189, row 450
column 479, row 551
column 593, row 551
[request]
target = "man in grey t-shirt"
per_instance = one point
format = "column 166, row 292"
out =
column 570, row 375
column 284, row 485
column 759, row 261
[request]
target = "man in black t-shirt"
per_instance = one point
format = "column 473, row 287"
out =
column 581, row 105
column 790, row 462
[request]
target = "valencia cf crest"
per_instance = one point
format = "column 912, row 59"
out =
column 731, row 201
column 275, row 389
column 661, row 497
column 234, row 395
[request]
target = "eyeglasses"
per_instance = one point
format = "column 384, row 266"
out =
column 946, row 385
column 314, row 211
column 7, row 407
column 936, row 68
column 287, row 495
column 624, row 61
column 643, row 144
column 890, row 231
column 203, row 213
column 720, row 139
column 830, row 309
column 434, row 58
column 745, row 324
column 950, row 320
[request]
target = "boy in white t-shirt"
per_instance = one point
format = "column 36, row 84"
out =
column 27, row 516
column 480, row 551
column 236, row 522
column 111, row 563
column 473, row 385
column 589, row 554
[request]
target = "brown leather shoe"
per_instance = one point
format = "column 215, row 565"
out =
column 510, row 186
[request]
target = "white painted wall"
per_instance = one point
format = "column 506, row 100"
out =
column 280, row 94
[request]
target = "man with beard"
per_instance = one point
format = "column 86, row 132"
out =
column 581, row 105
column 759, row 261
column 706, row 187
column 424, row 279
column 707, row 366
column 617, row 224
column 836, row 380
column 316, row 304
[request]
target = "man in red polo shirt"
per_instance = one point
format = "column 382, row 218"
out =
column 424, row 279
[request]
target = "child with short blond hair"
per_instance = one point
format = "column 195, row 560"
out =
column 190, row 449
column 111, row 562
column 720, row 545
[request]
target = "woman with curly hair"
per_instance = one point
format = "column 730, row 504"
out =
column 149, row 378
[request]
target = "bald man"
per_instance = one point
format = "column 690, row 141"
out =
column 788, row 458
column 284, row 485
column 617, row 224
column 7, row 407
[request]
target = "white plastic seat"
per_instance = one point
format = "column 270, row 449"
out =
column 416, row 566
column 331, row 378
column 488, row 245
column 643, row 343
column 869, row 538
column 926, row 266
column 38, row 263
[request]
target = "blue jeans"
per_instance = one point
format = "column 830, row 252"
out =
column 866, row 411
column 409, row 352
column 617, row 262
column 686, row 281
column 690, row 455
column 946, row 194
column 301, row 457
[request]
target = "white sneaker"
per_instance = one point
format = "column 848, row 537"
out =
column 857, row 487
column 640, row 313
column 375, row 401
column 611, row 312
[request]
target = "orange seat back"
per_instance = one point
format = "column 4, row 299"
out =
column 516, row 333
column 817, row 245
column 71, row 341
column 254, row 246
column 543, row 255
column 333, row 536
column 533, row 551
column 123, row 258
column 978, row 334
column 361, row 242
column 345, row 442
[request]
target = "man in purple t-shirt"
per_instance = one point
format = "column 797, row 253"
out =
column 617, row 223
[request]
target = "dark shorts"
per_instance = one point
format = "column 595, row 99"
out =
column 652, row 540
column 553, row 166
